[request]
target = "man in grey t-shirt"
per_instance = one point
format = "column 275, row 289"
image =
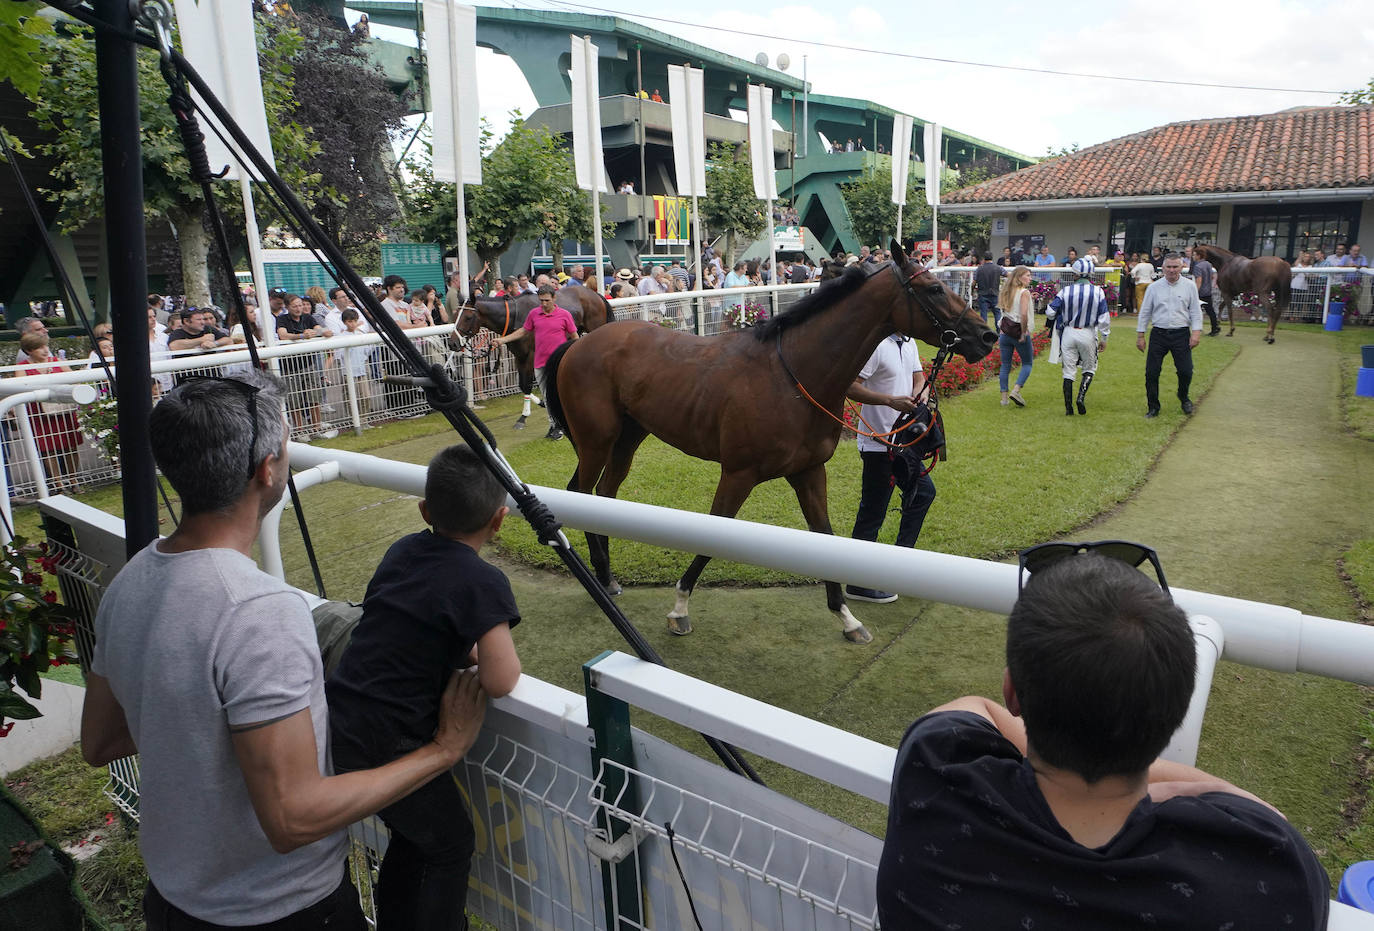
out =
column 219, row 689
column 1205, row 276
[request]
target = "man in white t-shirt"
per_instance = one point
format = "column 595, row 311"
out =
column 890, row 381
column 218, row 685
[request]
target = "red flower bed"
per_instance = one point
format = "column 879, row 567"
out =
column 957, row 375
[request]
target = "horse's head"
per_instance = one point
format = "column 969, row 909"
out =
column 469, row 319
column 934, row 313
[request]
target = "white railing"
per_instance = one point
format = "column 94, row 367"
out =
column 568, row 838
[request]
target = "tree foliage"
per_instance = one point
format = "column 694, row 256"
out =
column 20, row 49
column 873, row 215
column 348, row 115
column 1360, row 95
column 730, row 207
column 528, row 191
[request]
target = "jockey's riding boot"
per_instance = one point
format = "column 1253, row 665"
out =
column 1068, row 396
column 1083, row 392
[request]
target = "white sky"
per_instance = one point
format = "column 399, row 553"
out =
column 1272, row 43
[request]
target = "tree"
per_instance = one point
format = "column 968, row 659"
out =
column 527, row 192
column 1359, row 96
column 350, row 114
column 968, row 231
column 730, row 207
column 568, row 214
column 873, row 215
column 65, row 102
column 20, row 53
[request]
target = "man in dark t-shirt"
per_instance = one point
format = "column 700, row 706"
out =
column 988, row 279
column 1055, row 812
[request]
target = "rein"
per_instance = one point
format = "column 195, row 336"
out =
column 948, row 340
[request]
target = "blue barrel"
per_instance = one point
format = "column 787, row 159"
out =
column 1335, row 318
column 1357, row 886
column 1364, row 383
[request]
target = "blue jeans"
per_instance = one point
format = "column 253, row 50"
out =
column 987, row 304
column 1005, row 345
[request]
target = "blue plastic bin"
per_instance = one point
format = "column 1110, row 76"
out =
column 1335, row 320
column 1364, row 383
column 1357, row 886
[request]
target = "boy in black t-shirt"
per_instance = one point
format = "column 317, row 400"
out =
column 433, row 606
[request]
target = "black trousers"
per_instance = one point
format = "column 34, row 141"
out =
column 423, row 881
column 1162, row 343
column 876, row 493
column 338, row 911
column 1209, row 310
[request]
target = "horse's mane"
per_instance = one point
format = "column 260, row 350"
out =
column 1224, row 254
column 823, row 298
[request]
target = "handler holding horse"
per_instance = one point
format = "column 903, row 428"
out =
column 551, row 326
column 765, row 403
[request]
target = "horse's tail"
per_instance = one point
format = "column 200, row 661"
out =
column 551, row 400
column 1283, row 292
column 610, row 311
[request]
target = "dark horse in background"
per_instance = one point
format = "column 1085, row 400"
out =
column 1268, row 276
column 733, row 399
column 505, row 315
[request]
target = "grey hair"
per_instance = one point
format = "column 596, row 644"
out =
column 200, row 431
column 21, row 326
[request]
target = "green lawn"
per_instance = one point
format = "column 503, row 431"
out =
column 1204, row 490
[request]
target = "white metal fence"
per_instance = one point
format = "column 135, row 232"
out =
column 574, row 831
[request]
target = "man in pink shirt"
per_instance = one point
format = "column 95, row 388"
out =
column 552, row 326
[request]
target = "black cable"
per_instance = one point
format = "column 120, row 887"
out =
column 445, row 396
column 176, row 521
column 672, row 848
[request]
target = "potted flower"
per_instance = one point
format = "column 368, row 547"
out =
column 1043, row 292
column 1344, row 298
column 35, row 630
column 100, row 422
column 743, row 316
column 1250, row 302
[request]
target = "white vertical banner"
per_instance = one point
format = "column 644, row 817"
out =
column 688, row 107
column 217, row 37
column 901, row 153
column 587, row 158
column 586, row 114
column 761, row 142
column 451, row 57
column 932, row 159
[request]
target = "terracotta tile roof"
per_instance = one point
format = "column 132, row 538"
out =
column 1303, row 148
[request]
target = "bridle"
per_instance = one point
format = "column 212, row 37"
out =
column 471, row 305
column 948, row 340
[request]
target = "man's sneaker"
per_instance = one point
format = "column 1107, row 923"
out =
column 329, row 434
column 1187, row 407
column 869, row 594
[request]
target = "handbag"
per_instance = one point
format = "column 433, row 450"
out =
column 1010, row 327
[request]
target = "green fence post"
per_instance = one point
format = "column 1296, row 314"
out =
column 610, row 722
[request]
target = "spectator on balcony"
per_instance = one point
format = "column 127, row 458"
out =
column 221, row 692
column 1055, row 809
column 655, row 96
column 626, row 187
column 849, row 146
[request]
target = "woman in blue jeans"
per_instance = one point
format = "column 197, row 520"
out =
column 1014, row 300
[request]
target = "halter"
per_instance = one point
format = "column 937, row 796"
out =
column 471, row 302
column 948, row 340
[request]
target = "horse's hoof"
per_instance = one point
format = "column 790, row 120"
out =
column 612, row 588
column 859, row 634
column 519, row 425
column 1269, row 340
column 682, row 626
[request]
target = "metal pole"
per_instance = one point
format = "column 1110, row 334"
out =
column 806, row 99
column 464, row 267
column 599, row 169
column 122, row 161
column 639, row 79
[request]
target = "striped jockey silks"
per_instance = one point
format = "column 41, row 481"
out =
column 1081, row 304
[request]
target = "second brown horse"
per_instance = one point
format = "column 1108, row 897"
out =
column 740, row 398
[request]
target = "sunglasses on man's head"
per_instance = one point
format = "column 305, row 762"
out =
column 1035, row 558
column 251, row 392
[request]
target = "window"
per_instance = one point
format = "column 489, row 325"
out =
column 1269, row 230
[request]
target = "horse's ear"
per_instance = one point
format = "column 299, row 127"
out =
column 898, row 253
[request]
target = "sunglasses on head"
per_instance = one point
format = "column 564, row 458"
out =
column 251, row 392
column 1035, row 558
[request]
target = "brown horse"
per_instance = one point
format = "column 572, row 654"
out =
column 506, row 315
column 738, row 398
column 1268, row 276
